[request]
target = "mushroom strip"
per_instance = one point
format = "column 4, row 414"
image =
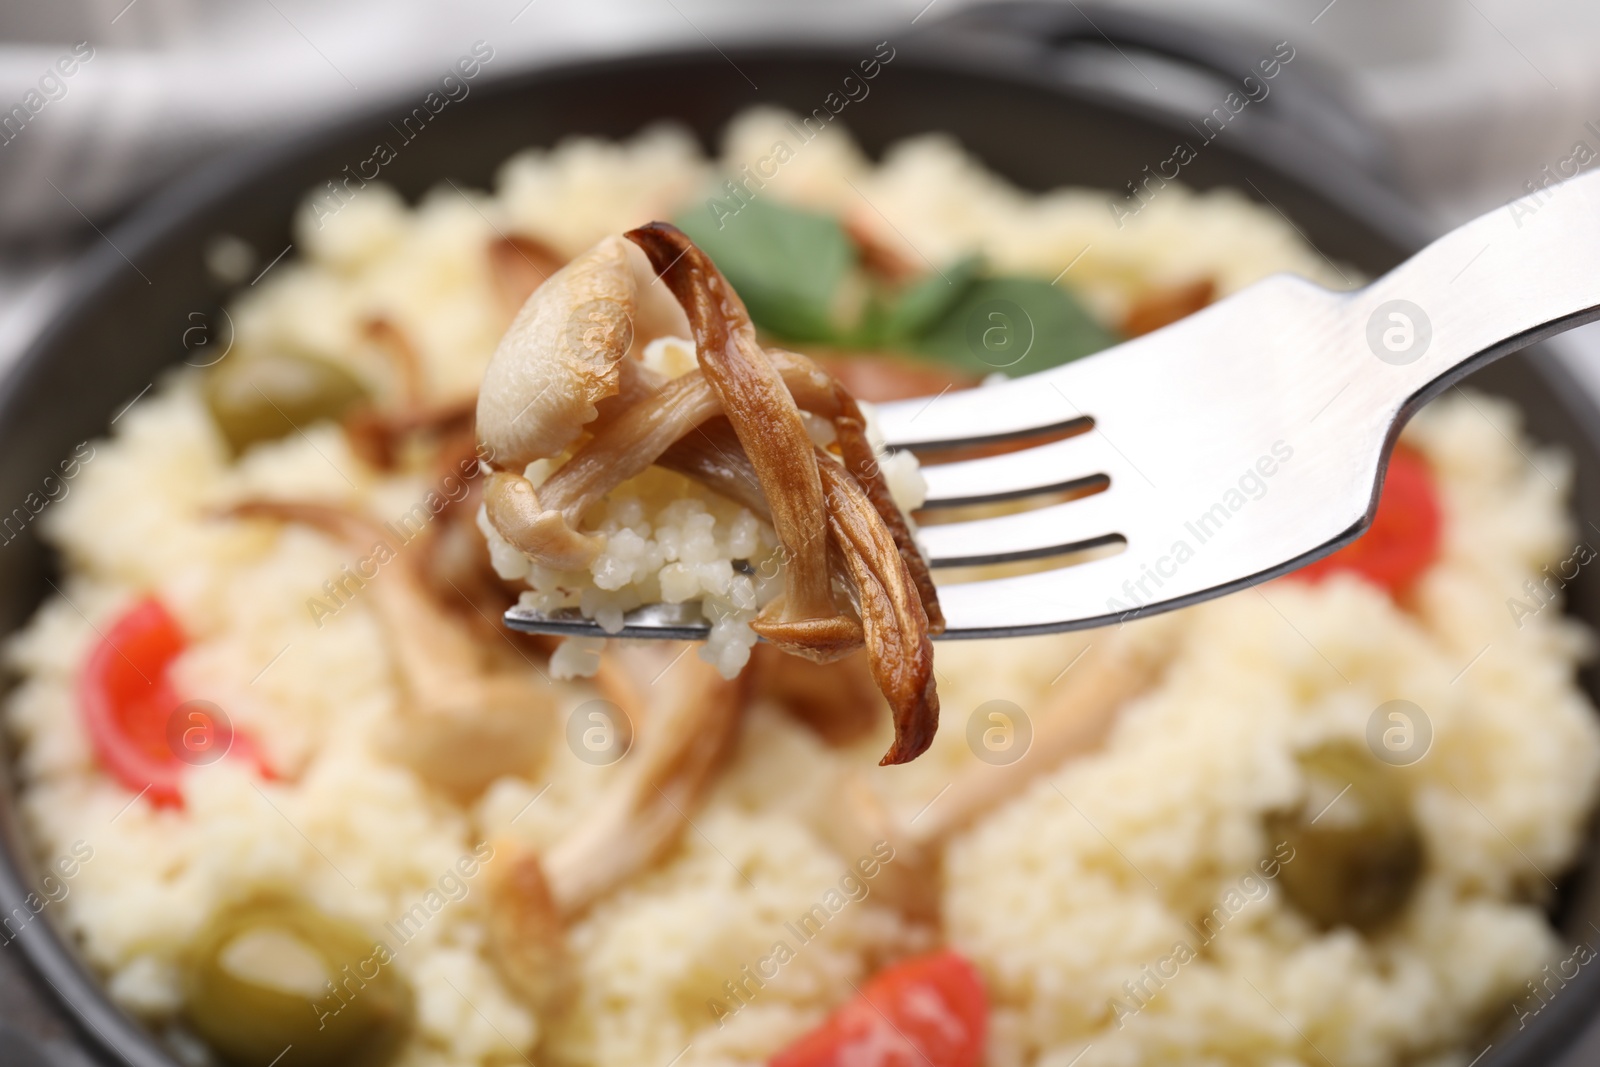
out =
column 892, row 618
column 629, row 443
column 817, row 392
column 769, row 427
column 898, row 651
column 403, row 354
column 462, row 724
column 684, row 731
column 838, row 700
column 377, row 434
column 1074, row 722
column 864, row 526
column 519, row 265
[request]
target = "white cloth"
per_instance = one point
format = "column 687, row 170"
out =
column 175, row 81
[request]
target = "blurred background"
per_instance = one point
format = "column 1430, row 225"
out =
column 1472, row 98
column 1469, row 99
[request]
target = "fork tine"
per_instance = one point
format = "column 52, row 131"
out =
column 1076, row 461
column 1070, row 598
column 676, row 621
column 1047, row 531
column 991, row 413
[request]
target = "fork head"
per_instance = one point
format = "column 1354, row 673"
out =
column 1221, row 451
column 1216, row 453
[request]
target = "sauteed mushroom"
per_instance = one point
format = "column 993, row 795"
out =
column 378, row 434
column 837, row 699
column 555, row 363
column 683, row 732
column 402, row 353
column 1075, row 721
column 684, row 729
column 520, row 264
column 841, row 535
column 463, row 722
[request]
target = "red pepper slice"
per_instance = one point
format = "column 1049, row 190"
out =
column 1403, row 540
column 930, row 1011
column 128, row 700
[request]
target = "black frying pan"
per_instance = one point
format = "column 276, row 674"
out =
column 1043, row 94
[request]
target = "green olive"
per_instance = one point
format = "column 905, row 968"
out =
column 1357, row 851
column 275, row 973
column 263, row 396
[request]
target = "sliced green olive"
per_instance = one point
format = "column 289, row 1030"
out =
column 274, row 974
column 263, row 396
column 1357, row 851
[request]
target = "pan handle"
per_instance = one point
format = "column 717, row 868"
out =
column 1186, row 70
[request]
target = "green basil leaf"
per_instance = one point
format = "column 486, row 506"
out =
column 786, row 263
column 1014, row 325
column 923, row 302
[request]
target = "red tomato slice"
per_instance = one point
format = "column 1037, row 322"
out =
column 1403, row 540
column 930, row 1011
column 128, row 701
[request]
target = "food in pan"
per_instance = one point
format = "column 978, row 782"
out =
column 272, row 726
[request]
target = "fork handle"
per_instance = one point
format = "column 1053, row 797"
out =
column 1507, row 279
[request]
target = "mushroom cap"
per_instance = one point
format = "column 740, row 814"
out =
column 559, row 358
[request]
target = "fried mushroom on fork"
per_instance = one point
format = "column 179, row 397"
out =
column 561, row 381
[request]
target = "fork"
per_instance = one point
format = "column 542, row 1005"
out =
column 1226, row 449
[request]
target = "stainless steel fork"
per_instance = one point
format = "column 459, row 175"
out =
column 1231, row 447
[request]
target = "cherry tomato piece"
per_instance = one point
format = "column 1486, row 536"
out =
column 1403, row 540
column 129, row 703
column 930, row 1011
